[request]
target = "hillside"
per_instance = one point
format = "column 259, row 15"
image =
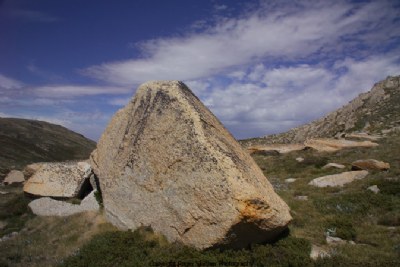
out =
column 25, row 141
column 376, row 111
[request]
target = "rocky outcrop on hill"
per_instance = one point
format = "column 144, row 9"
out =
column 166, row 161
column 376, row 111
column 59, row 179
column 26, row 141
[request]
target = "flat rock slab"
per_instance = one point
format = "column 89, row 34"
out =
column 166, row 161
column 49, row 207
column 280, row 148
column 334, row 165
column 364, row 136
column 370, row 164
column 332, row 145
column 338, row 179
column 60, row 179
column 14, row 176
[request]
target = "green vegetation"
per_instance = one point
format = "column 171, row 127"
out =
column 14, row 211
column 145, row 248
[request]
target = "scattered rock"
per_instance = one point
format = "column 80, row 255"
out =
column 290, row 180
column 302, row 198
column 299, row 159
column 331, row 240
column 49, row 207
column 2, row 224
column 166, row 161
column 280, row 148
column 318, row 252
column 370, row 164
column 374, row 188
column 334, row 165
column 332, row 145
column 3, row 193
column 14, row 176
column 364, row 136
column 61, row 179
column 338, row 179
column 9, row 236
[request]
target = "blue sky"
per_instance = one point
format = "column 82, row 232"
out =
column 262, row 67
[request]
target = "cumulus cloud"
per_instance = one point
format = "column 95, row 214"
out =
column 292, row 31
column 289, row 96
column 7, row 83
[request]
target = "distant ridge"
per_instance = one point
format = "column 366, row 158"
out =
column 25, row 141
column 376, row 111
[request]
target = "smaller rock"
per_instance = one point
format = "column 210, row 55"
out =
column 2, row 224
column 299, row 159
column 3, row 193
column 318, row 252
column 290, row 180
column 14, row 176
column 9, row 236
column 338, row 179
column 374, row 188
column 50, row 207
column 333, row 165
column 59, row 179
column 331, row 240
column 370, row 164
column 302, row 198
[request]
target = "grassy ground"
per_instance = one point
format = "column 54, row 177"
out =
column 352, row 213
column 371, row 220
column 42, row 241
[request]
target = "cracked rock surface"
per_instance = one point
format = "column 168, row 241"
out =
column 166, row 161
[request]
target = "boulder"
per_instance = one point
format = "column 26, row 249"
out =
column 14, row 176
column 374, row 188
column 338, row 179
column 46, row 206
column 332, row 145
column 318, row 252
column 334, row 165
column 302, row 198
column 370, row 164
column 299, row 159
column 281, row 148
column 59, row 179
column 165, row 161
column 290, row 180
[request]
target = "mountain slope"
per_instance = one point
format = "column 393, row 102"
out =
column 374, row 111
column 25, row 141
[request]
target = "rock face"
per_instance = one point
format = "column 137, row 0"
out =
column 46, row 206
column 14, row 176
column 166, row 161
column 338, row 179
column 331, row 145
column 370, row 164
column 61, row 179
column 366, row 113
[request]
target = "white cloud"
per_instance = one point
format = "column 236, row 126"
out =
column 7, row 83
column 283, row 33
column 53, row 91
column 293, row 95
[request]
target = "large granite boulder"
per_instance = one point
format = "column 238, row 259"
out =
column 166, row 161
column 59, row 179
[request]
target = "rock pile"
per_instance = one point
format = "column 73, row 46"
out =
column 58, row 179
column 166, row 161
